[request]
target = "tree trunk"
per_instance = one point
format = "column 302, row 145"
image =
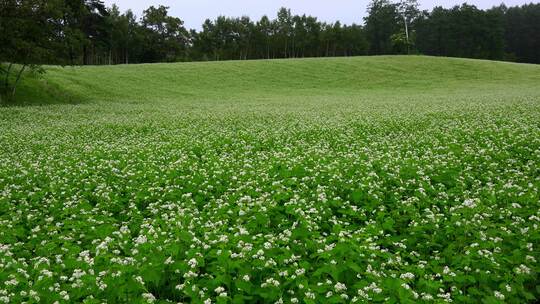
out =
column 327, row 48
column 85, row 55
column 407, row 34
column 293, row 49
column 6, row 82
column 71, row 56
column 17, row 81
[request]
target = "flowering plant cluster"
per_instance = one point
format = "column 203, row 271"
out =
column 408, row 200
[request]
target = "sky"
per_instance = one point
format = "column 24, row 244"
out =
column 194, row 12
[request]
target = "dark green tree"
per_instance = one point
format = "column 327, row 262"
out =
column 522, row 32
column 383, row 21
column 85, row 31
column 284, row 24
column 165, row 36
column 462, row 31
column 264, row 37
column 30, row 35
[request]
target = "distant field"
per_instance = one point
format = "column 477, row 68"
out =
column 371, row 179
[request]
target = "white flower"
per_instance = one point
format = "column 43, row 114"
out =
column 499, row 295
column 407, row 275
column 469, row 203
column 169, row 261
column 190, row 274
column 340, row 287
column 522, row 269
column 12, row 282
column 64, row 295
column 219, row 289
column 192, row 263
column 310, row 295
column 141, row 239
column 149, row 297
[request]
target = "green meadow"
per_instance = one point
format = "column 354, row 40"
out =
column 391, row 179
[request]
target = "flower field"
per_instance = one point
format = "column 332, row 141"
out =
column 323, row 181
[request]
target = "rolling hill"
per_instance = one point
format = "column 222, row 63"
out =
column 327, row 76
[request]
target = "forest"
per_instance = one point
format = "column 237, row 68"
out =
column 87, row 32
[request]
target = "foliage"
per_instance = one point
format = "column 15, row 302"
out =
column 382, row 22
column 27, row 38
column 370, row 180
column 83, row 21
column 164, row 35
column 522, row 32
column 463, row 31
column 288, row 36
column 400, row 43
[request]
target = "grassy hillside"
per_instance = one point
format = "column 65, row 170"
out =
column 335, row 76
column 368, row 180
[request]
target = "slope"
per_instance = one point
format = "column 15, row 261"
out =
column 263, row 78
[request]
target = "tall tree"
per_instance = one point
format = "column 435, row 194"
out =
column 166, row 36
column 408, row 10
column 284, row 25
column 382, row 22
column 522, row 35
column 264, row 33
column 30, row 34
column 462, row 31
column 85, row 30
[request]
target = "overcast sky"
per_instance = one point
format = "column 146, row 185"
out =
column 194, row 12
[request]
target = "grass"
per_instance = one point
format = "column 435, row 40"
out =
column 218, row 80
column 374, row 179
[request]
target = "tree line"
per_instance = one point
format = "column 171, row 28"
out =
column 87, row 32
